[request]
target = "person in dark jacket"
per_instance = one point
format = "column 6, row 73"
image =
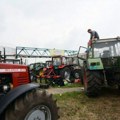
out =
column 93, row 34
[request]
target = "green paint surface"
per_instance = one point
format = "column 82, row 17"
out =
column 95, row 64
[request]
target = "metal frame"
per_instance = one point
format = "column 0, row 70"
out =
column 38, row 52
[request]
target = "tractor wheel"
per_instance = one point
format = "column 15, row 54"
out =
column 92, row 83
column 77, row 73
column 34, row 105
column 65, row 73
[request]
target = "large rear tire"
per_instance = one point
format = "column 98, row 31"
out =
column 65, row 73
column 77, row 74
column 92, row 83
column 34, row 105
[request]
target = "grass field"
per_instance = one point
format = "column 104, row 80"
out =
column 69, row 85
column 77, row 106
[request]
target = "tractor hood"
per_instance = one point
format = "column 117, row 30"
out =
column 95, row 64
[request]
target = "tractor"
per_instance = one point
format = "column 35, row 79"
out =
column 49, row 76
column 22, row 100
column 101, row 65
column 35, row 70
column 62, row 68
column 67, row 67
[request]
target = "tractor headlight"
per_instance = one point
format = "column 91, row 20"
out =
column 8, row 87
column 5, row 88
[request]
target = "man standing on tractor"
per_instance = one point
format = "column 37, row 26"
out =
column 93, row 36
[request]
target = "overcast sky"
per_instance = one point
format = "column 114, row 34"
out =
column 60, row 24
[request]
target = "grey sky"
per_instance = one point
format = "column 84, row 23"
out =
column 60, row 24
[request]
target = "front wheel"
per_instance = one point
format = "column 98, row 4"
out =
column 92, row 83
column 34, row 105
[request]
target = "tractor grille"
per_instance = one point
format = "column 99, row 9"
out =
column 23, row 80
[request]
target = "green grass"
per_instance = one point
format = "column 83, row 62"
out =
column 69, row 85
column 77, row 106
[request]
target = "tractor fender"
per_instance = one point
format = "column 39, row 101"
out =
column 14, row 93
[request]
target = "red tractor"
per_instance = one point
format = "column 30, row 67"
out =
column 49, row 76
column 22, row 100
column 66, row 67
column 62, row 68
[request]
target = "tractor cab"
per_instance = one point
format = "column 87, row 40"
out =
column 48, row 63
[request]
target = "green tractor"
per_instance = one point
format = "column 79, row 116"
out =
column 36, row 69
column 101, row 65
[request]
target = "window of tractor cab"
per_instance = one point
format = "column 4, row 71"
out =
column 56, row 61
column 106, row 49
column 68, row 61
column 75, row 60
